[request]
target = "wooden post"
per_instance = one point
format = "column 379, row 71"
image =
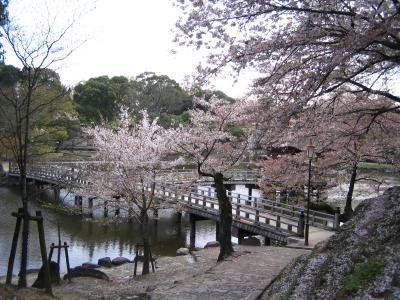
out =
column 192, row 221
column 67, row 261
column 336, row 222
column 52, row 246
column 267, row 241
column 257, row 218
column 14, row 246
column 300, row 224
column 47, row 279
column 278, row 222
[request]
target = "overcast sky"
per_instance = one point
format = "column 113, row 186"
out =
column 128, row 37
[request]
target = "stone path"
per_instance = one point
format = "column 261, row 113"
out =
column 242, row 277
column 197, row 276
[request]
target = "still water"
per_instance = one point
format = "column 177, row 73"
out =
column 90, row 240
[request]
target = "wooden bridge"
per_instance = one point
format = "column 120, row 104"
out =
column 271, row 219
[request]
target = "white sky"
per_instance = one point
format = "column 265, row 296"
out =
column 128, row 37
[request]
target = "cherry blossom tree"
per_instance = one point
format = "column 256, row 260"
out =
column 345, row 132
column 209, row 142
column 301, row 49
column 133, row 157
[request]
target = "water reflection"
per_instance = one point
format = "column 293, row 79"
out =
column 90, row 240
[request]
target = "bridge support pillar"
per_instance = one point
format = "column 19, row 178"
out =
column 117, row 207
column 56, row 192
column 80, row 203
column 192, row 221
column 90, row 204
column 240, row 234
column 179, row 217
column 105, row 209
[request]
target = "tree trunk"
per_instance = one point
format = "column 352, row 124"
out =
column 25, row 232
column 348, row 210
column 225, row 218
column 144, row 221
column 23, row 162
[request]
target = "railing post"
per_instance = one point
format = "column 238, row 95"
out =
column 257, row 220
column 238, row 211
column 336, row 222
column 300, row 224
column 278, row 222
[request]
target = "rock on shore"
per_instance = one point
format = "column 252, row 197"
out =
column 362, row 261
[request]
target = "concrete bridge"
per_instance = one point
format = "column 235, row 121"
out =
column 273, row 220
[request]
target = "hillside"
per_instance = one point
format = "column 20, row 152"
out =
column 362, row 261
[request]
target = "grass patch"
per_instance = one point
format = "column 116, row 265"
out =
column 362, row 274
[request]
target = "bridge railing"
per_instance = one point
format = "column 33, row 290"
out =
column 291, row 212
column 243, row 213
column 251, row 208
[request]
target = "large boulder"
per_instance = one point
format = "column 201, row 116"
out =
column 90, row 266
column 361, row 261
column 105, row 262
column 85, row 272
column 182, row 251
column 120, row 261
column 212, row 244
column 54, row 275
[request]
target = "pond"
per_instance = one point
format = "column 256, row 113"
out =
column 90, row 240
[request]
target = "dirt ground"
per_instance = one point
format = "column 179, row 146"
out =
column 195, row 276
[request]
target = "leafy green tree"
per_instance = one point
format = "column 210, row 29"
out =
column 160, row 94
column 51, row 118
column 36, row 47
column 100, row 98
